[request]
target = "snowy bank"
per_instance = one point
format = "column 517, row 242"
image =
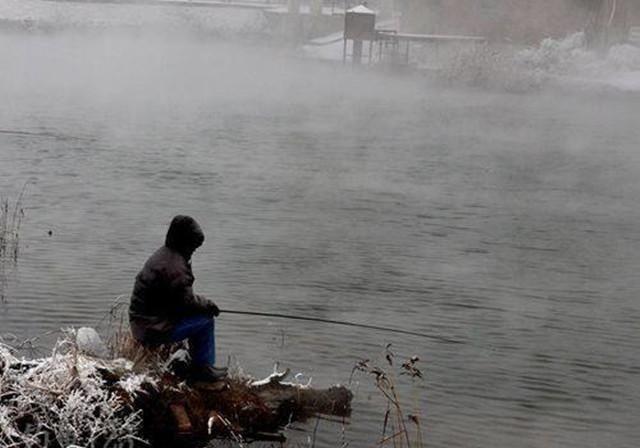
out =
column 48, row 15
column 564, row 62
column 72, row 398
column 63, row 400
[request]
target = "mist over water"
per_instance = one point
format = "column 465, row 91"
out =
column 508, row 222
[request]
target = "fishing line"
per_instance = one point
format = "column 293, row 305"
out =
column 344, row 323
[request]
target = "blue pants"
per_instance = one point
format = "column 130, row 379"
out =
column 202, row 342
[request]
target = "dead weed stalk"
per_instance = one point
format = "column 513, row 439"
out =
column 11, row 215
column 122, row 344
column 395, row 429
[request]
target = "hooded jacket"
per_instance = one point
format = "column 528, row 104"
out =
column 163, row 290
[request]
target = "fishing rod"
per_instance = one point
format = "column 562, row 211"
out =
column 344, row 323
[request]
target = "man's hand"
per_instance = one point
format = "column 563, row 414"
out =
column 213, row 309
column 205, row 306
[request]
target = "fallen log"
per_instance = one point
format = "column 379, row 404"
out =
column 239, row 408
column 74, row 398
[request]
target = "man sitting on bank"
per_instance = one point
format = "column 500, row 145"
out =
column 164, row 308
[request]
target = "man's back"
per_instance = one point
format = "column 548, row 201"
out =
column 158, row 291
column 163, row 292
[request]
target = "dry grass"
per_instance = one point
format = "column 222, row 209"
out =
column 400, row 428
column 122, row 344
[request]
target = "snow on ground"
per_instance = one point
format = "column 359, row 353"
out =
column 327, row 48
column 570, row 56
column 567, row 62
column 629, row 82
column 36, row 14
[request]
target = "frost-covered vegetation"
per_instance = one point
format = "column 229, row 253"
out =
column 62, row 400
column 523, row 69
column 571, row 56
column 78, row 398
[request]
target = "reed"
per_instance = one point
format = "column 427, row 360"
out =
column 400, row 428
column 122, row 344
column 11, row 215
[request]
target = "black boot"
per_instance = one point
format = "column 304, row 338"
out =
column 208, row 374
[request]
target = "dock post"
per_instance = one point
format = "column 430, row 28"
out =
column 295, row 20
column 316, row 7
column 293, row 6
column 344, row 51
column 357, row 52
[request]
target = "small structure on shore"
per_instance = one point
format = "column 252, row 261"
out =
column 360, row 27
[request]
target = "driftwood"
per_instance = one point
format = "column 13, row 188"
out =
column 236, row 409
column 158, row 404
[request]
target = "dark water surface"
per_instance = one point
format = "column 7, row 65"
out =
column 508, row 222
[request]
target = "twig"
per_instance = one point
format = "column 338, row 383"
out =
column 391, row 437
column 315, row 432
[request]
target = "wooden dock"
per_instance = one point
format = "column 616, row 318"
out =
column 634, row 35
column 432, row 38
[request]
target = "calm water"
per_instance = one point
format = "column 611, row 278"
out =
column 507, row 222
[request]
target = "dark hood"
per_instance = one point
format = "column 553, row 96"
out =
column 184, row 235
